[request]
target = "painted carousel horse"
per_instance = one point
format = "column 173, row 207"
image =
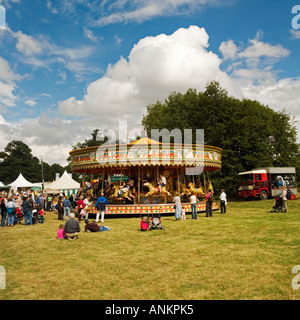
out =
column 115, row 189
column 185, row 190
column 153, row 190
column 198, row 191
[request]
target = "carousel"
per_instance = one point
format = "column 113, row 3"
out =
column 142, row 177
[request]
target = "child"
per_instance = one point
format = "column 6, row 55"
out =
column 19, row 215
column 41, row 214
column 61, row 233
column 183, row 216
column 82, row 215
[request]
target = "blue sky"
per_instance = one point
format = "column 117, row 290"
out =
column 68, row 67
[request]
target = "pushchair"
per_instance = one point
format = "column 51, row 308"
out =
column 278, row 205
column 18, row 216
column 35, row 216
column 156, row 223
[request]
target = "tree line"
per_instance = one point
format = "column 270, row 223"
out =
column 17, row 158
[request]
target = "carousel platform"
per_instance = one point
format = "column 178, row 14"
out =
column 128, row 209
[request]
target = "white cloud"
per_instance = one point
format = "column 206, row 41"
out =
column 6, row 73
column 295, row 34
column 258, row 49
column 228, row 49
column 125, row 11
column 27, row 44
column 155, row 67
column 30, row 103
column 89, row 34
column 7, row 84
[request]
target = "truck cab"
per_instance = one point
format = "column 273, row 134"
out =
column 266, row 182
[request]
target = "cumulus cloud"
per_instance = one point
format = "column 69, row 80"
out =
column 155, row 67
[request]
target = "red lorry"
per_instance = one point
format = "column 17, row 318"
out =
column 267, row 182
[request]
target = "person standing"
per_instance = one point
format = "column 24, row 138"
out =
column 101, row 207
column 80, row 206
column 27, row 210
column 88, row 203
column 284, row 199
column 193, row 200
column 177, row 205
column 3, row 211
column 67, row 207
column 223, row 201
column 60, row 208
column 49, row 203
column 10, row 207
column 209, row 202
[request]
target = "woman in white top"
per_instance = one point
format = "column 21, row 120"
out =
column 87, row 204
column 177, row 203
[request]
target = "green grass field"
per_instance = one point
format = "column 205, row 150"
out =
column 248, row 253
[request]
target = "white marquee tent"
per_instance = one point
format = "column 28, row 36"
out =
column 64, row 184
column 20, row 182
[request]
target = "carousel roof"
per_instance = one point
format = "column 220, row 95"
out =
column 142, row 153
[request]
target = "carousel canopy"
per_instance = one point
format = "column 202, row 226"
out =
column 145, row 152
column 20, row 182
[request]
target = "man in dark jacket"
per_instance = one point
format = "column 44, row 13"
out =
column 94, row 227
column 27, row 210
column 72, row 227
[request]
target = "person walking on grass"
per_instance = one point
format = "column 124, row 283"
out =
column 10, row 207
column 223, row 201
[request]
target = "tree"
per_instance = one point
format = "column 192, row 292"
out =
column 17, row 158
column 251, row 135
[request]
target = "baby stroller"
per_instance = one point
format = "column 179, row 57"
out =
column 156, row 223
column 18, row 216
column 278, row 205
column 35, row 216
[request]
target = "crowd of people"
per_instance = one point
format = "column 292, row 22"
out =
column 22, row 206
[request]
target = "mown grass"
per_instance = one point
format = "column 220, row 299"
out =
column 248, row 253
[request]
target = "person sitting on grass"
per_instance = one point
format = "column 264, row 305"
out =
column 61, row 233
column 94, row 227
column 72, row 227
